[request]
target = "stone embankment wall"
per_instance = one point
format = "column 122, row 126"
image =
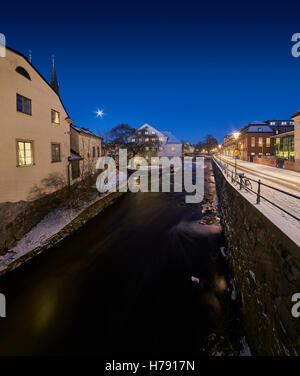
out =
column 265, row 265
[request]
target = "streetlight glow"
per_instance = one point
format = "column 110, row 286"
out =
column 236, row 135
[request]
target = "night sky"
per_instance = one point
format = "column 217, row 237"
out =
column 183, row 66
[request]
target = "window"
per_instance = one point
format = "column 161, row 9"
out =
column 55, row 151
column 94, row 152
column 98, row 151
column 23, row 104
column 259, row 129
column 146, row 148
column 23, row 72
column 160, row 148
column 146, row 132
column 268, row 142
column 272, row 123
column 276, row 131
column 291, row 123
column 54, row 117
column 75, row 169
column 160, row 139
column 25, row 153
column 153, row 149
column 253, row 142
column 173, row 149
column 278, row 141
column 153, row 139
column 283, row 123
column 153, row 132
column 140, row 139
column 133, row 140
column 260, row 141
column 146, row 139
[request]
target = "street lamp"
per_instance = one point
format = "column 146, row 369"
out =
column 236, row 135
column 220, row 147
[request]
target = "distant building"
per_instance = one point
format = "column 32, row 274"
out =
column 188, row 148
column 281, row 126
column 159, row 143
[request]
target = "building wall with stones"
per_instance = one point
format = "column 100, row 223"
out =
column 265, row 265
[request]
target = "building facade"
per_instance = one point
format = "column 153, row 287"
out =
column 281, row 126
column 35, row 131
column 86, row 148
column 296, row 119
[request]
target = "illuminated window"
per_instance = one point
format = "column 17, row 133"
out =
column 253, row 142
column 25, row 153
column 283, row 123
column 146, row 148
column 260, row 141
column 259, row 129
column 153, row 132
column 133, row 140
column 55, row 151
column 173, row 149
column 268, row 142
column 54, row 117
column 153, row 139
column 160, row 139
column 140, row 139
column 23, row 104
column 146, row 132
column 278, row 141
column 146, row 139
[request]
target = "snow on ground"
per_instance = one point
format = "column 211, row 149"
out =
column 51, row 224
column 287, row 224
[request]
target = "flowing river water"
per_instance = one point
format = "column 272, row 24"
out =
column 122, row 285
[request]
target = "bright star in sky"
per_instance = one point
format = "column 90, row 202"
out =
column 100, row 113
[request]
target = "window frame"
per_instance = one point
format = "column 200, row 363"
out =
column 23, row 104
column 55, row 143
column 57, row 112
column 32, row 152
column 72, row 170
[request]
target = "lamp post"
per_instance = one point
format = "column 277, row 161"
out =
column 236, row 136
column 220, row 147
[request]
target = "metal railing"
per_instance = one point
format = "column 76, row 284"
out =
column 242, row 180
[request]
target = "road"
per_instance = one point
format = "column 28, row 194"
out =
column 121, row 285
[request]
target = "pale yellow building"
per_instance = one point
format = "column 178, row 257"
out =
column 296, row 118
column 86, row 148
column 35, row 131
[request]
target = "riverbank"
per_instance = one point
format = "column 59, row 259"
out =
column 56, row 226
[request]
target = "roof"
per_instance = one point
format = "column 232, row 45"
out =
column 258, row 122
column 255, row 129
column 284, row 134
column 42, row 77
column 171, row 138
column 85, row 131
column 296, row 114
column 74, row 156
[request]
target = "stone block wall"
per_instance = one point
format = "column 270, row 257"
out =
column 265, row 265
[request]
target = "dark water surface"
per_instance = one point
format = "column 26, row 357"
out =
column 121, row 285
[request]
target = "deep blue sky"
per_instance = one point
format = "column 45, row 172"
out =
column 187, row 67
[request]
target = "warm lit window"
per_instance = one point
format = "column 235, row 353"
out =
column 268, row 142
column 146, row 148
column 260, row 141
column 160, row 148
column 153, row 132
column 173, row 149
column 253, row 142
column 25, row 153
column 146, row 132
column 140, row 139
column 160, row 139
column 23, row 104
column 54, row 117
column 146, row 139
column 55, row 151
column 153, row 139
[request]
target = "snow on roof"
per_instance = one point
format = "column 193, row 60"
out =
column 259, row 129
column 171, row 138
column 84, row 131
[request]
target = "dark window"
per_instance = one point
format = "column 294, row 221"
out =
column 23, row 72
column 75, row 169
column 94, row 152
column 54, row 117
column 23, row 104
column 98, row 151
column 55, row 149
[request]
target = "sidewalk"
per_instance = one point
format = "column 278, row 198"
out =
column 286, row 178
